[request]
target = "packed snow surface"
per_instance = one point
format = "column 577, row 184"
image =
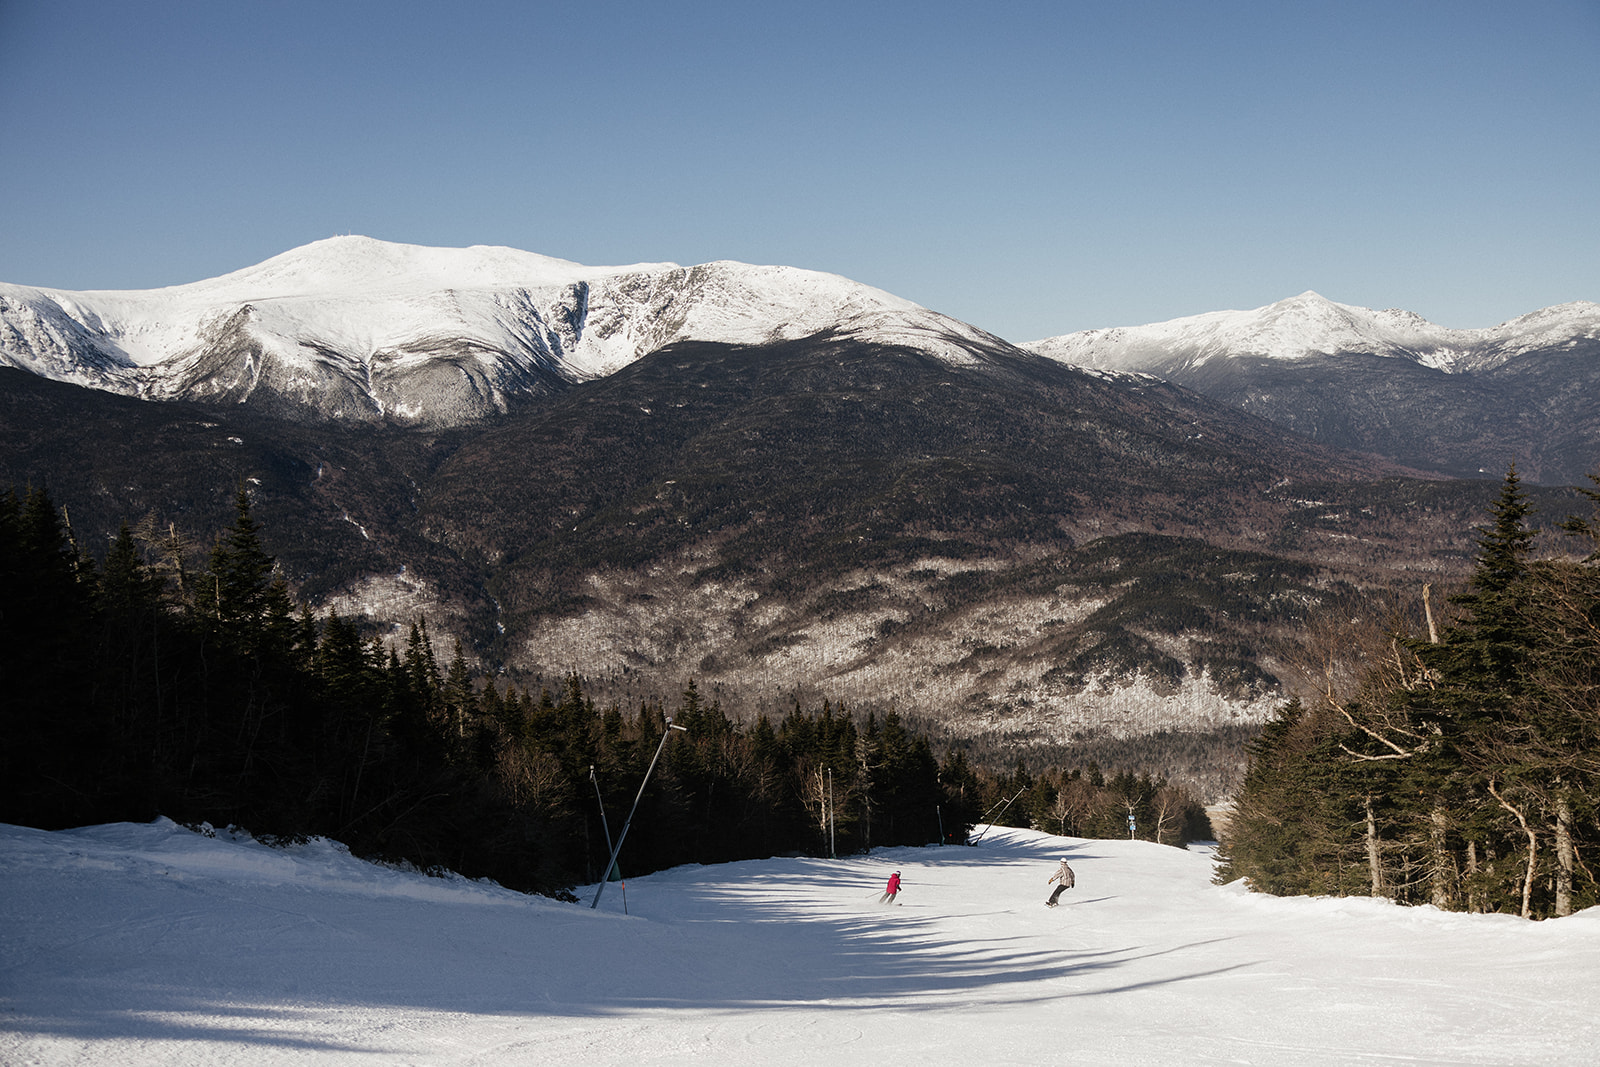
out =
column 150, row 944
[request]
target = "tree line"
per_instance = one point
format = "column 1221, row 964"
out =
column 1084, row 802
column 164, row 680
column 1462, row 769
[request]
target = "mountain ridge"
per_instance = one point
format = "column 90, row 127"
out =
column 1463, row 403
column 377, row 333
column 1309, row 324
column 353, row 328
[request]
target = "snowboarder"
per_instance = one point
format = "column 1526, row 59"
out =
column 891, row 890
column 1065, row 877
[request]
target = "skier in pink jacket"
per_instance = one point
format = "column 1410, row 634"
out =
column 892, row 889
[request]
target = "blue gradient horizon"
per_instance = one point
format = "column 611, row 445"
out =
column 1031, row 168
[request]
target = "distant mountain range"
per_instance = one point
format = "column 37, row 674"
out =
column 356, row 329
column 1309, row 325
column 790, row 486
column 1461, row 402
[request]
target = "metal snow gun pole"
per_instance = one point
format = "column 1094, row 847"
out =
column 833, row 853
column 996, row 814
column 604, row 825
column 623, row 836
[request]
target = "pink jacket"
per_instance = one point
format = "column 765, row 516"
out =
column 894, row 883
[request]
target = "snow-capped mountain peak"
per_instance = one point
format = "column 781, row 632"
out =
column 1309, row 325
column 359, row 264
column 357, row 328
column 353, row 327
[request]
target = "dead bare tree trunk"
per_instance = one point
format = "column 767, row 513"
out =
column 1442, row 871
column 1166, row 804
column 1533, row 850
column 1374, row 855
column 1474, row 895
column 1427, row 610
column 1564, row 856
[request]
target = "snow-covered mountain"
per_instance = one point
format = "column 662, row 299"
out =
column 1461, row 402
column 1310, row 325
column 355, row 328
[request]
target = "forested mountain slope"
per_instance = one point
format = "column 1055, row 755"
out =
column 1010, row 548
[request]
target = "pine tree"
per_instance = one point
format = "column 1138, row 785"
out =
column 51, row 726
column 240, row 578
column 1470, row 783
column 134, row 629
column 962, row 794
column 1470, row 773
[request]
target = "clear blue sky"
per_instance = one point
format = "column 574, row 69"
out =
column 1032, row 168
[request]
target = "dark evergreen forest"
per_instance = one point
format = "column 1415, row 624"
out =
column 160, row 679
column 1464, row 768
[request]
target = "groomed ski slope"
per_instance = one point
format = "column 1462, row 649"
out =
column 149, row 944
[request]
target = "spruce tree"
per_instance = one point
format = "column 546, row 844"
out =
column 1469, row 776
column 239, row 582
column 51, row 726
